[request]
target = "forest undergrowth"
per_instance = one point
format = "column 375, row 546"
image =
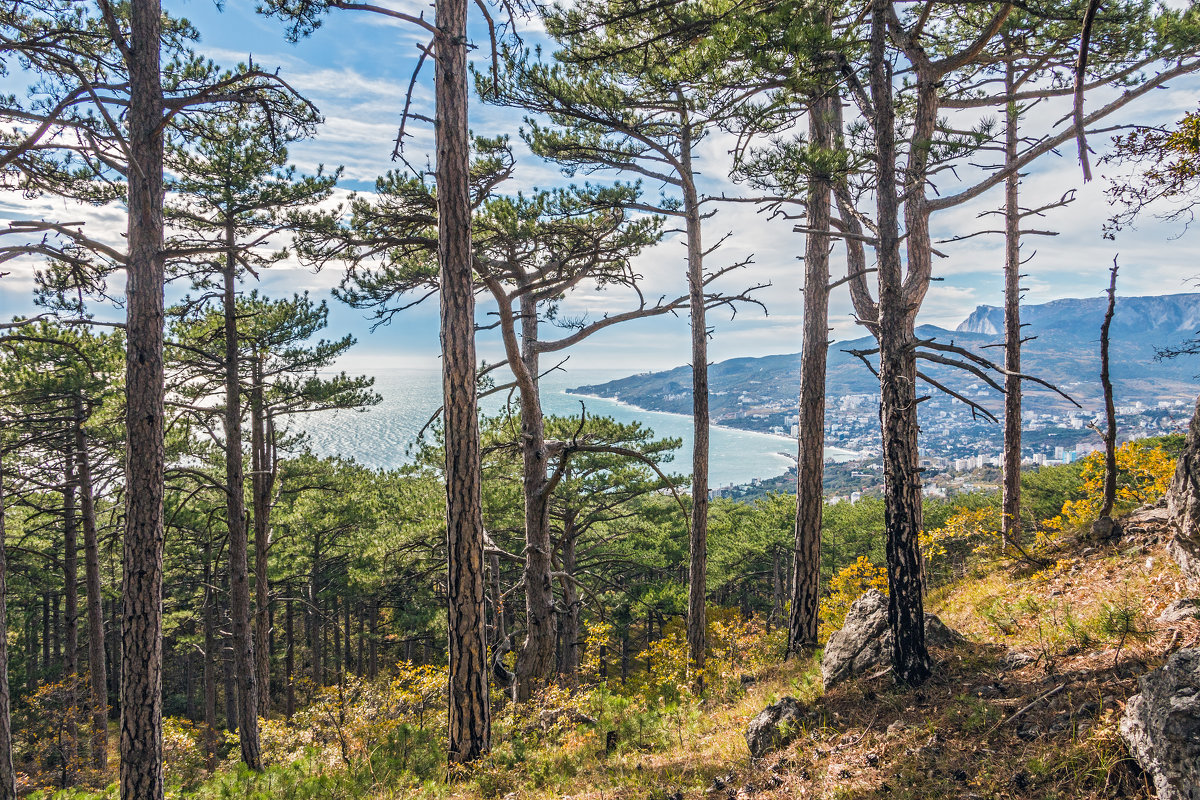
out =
column 1027, row 708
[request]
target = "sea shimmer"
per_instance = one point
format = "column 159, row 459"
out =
column 382, row 436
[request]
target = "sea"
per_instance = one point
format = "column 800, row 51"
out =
column 383, row 436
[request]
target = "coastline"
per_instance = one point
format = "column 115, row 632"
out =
column 839, row 453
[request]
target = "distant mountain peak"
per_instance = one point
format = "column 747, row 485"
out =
column 987, row 320
column 1147, row 317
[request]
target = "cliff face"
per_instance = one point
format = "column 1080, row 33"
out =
column 1155, row 320
column 988, row 320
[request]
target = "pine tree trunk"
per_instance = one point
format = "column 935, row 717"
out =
column 470, row 717
column 189, row 685
column 338, row 666
column 70, row 749
column 570, row 596
column 810, row 462
column 95, row 609
column 348, row 642
column 262, row 483
column 210, row 669
column 536, row 659
column 360, row 661
column 897, row 381
column 289, row 659
column 499, row 632
column 113, row 639
column 31, row 650
column 1011, row 491
column 228, row 676
column 698, row 545
column 373, row 646
column 8, row 775
column 776, row 591
column 142, row 561
column 242, row 639
column 315, row 634
column 1103, row 527
column 56, row 632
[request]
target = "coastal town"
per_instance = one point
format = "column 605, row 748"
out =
column 960, row 451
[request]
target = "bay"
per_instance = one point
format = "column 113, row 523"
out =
column 383, row 436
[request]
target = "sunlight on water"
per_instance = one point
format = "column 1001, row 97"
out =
column 382, row 436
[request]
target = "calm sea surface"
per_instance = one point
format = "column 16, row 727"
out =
column 382, row 436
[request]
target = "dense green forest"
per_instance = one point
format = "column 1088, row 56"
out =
column 532, row 595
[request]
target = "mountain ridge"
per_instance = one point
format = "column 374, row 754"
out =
column 758, row 392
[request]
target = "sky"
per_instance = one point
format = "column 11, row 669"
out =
column 356, row 69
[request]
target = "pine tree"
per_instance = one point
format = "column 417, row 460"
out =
column 232, row 194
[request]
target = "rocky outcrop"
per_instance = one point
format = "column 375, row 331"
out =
column 774, row 727
column 1180, row 611
column 1183, row 504
column 1161, row 725
column 865, row 643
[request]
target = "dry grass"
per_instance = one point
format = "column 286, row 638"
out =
column 983, row 727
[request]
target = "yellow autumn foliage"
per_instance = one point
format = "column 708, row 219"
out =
column 844, row 588
column 968, row 535
column 1143, row 474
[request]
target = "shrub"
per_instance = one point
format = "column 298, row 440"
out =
column 967, row 535
column 844, row 588
column 1144, row 472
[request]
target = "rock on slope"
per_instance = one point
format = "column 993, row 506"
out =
column 1183, row 504
column 1161, row 725
column 864, row 642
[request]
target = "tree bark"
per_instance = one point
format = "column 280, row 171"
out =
column 315, row 633
column 338, row 665
column 804, row 619
column 229, row 678
column 262, row 483
column 113, row 639
column 469, row 714
column 189, row 686
column 698, row 543
column 242, row 639
column 8, row 775
column 210, row 668
column 70, row 750
column 373, row 645
column 56, row 631
column 31, row 649
column 1011, row 491
column 570, row 597
column 1110, row 411
column 897, row 371
column 141, row 616
column 360, row 661
column 536, row 659
column 348, row 641
column 289, row 659
column 97, row 670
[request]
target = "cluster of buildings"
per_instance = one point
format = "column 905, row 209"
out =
column 964, row 453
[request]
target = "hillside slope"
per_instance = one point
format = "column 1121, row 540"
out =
column 1064, row 352
column 1027, row 709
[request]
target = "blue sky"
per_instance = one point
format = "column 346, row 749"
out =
column 356, row 68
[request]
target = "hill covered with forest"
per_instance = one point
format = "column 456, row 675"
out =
column 1064, row 351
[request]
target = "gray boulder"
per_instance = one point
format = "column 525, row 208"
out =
column 1161, row 725
column 865, row 643
column 774, row 727
column 1184, row 547
column 1180, row 611
column 1183, row 504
